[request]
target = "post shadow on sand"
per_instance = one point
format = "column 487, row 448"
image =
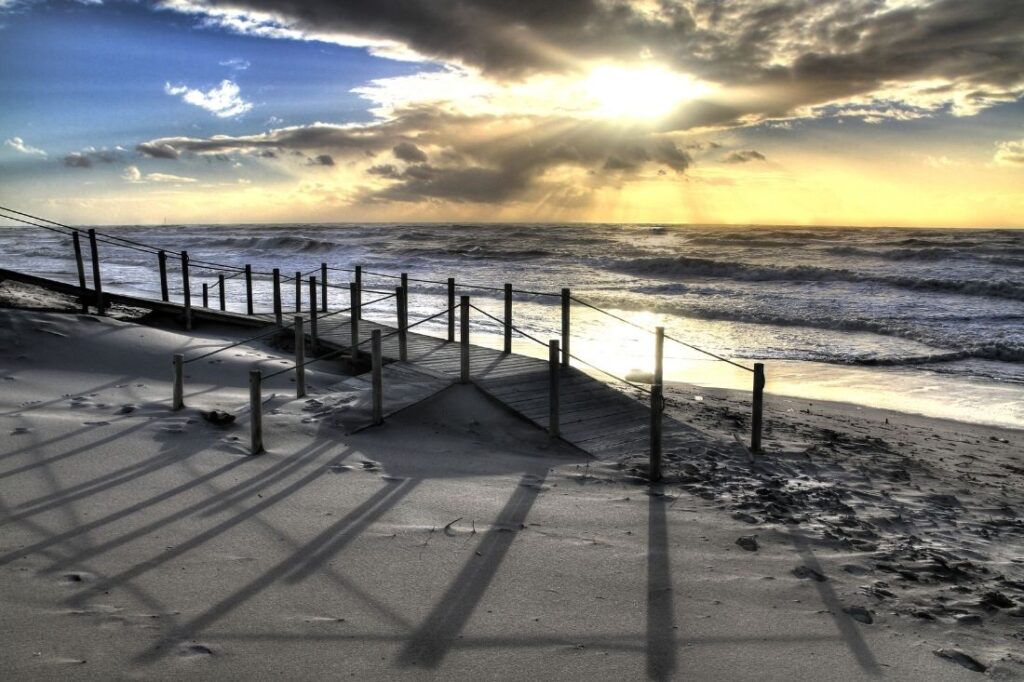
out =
column 846, row 625
column 432, row 640
column 661, row 639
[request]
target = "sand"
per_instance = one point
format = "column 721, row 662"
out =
column 457, row 542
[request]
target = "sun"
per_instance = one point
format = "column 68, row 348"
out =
column 638, row 93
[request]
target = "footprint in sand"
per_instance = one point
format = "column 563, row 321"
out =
column 76, row 578
column 99, row 423
column 20, row 430
column 194, row 650
column 127, row 409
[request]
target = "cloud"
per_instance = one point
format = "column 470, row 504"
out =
column 881, row 58
column 18, row 144
column 90, row 155
column 321, row 160
column 744, row 156
column 157, row 151
column 484, row 158
column 133, row 175
column 407, row 151
column 223, row 101
column 1010, row 153
column 237, row 63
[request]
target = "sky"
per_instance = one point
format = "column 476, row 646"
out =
column 795, row 112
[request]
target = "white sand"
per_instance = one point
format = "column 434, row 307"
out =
column 454, row 542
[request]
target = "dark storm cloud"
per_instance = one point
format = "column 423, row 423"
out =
column 786, row 54
column 744, row 156
column 407, row 151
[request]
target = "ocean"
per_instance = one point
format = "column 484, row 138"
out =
column 921, row 320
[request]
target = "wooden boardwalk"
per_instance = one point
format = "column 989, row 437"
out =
column 595, row 417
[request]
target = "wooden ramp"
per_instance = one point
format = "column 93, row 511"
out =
column 595, row 417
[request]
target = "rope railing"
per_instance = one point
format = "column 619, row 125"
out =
column 559, row 352
column 649, row 331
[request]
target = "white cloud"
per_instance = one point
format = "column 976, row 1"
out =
column 133, row 175
column 223, row 101
column 1010, row 153
column 238, row 64
column 19, row 145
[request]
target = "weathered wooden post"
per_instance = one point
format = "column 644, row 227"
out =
column 566, row 302
column 405, row 283
column 353, row 317
column 508, row 318
column 81, row 271
column 248, row 289
column 657, row 405
column 464, row 337
column 255, row 412
column 314, row 343
column 277, row 297
column 402, row 305
column 553, row 388
column 206, row 295
column 378, row 377
column 97, row 281
column 357, row 310
column 758, row 407
column 298, row 292
column 300, row 357
column 186, row 290
column 222, row 294
column 323, row 287
column 178, row 396
column 161, row 258
column 451, row 309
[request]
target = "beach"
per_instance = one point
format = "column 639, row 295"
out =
column 456, row 541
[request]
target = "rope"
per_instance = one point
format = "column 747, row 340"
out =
column 607, row 373
column 670, row 338
column 512, row 327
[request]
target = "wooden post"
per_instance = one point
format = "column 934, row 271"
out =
column 464, row 337
column 81, row 271
column 508, row 319
column 186, row 290
column 178, row 397
column 553, row 388
column 161, row 258
column 248, row 289
column 298, row 292
column 222, row 293
column 277, row 297
column 314, row 343
column 353, row 295
column 300, row 358
column 323, row 287
column 451, row 309
column 206, row 295
column 405, row 284
column 758, row 407
column 378, row 377
column 256, row 412
column 657, row 405
column 403, row 324
column 97, row 281
column 565, row 327
column 357, row 308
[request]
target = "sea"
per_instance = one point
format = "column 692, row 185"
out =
column 928, row 321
